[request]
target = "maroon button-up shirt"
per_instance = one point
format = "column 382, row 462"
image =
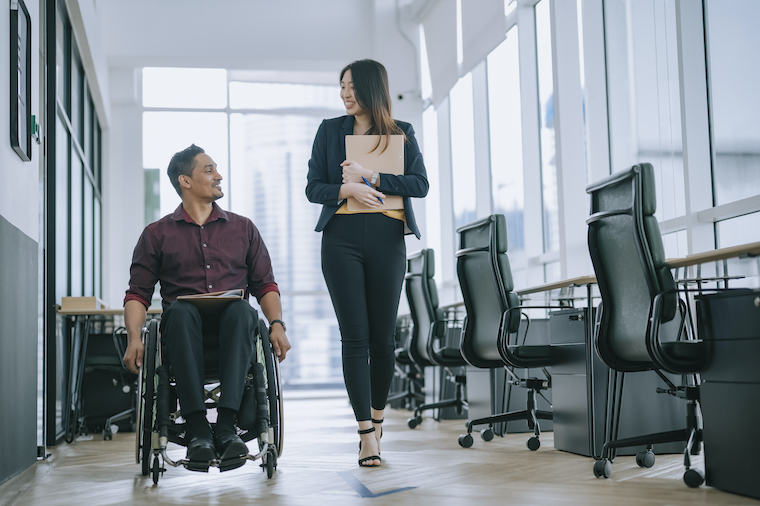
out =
column 225, row 253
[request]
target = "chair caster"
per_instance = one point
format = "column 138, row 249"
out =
column 486, row 434
column 157, row 470
column 107, row 434
column 269, row 463
column 533, row 444
column 693, row 478
column 602, row 468
column 465, row 440
column 411, row 423
column 645, row 458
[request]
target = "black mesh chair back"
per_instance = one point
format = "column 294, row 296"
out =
column 485, row 279
column 422, row 295
column 637, row 327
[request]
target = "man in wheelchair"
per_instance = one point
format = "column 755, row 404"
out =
column 200, row 248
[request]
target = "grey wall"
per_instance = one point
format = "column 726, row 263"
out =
column 18, row 350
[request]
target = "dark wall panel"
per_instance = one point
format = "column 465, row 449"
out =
column 18, row 350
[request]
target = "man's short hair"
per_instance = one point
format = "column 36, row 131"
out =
column 182, row 162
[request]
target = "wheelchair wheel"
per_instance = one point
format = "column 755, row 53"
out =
column 147, row 399
column 266, row 355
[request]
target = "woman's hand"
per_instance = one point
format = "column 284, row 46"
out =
column 364, row 194
column 353, row 172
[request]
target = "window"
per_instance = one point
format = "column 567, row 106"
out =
column 505, row 129
column 548, row 147
column 463, row 151
column 644, row 96
column 734, row 110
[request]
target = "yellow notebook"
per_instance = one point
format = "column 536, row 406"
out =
column 359, row 148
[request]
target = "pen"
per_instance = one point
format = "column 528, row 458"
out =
column 367, row 183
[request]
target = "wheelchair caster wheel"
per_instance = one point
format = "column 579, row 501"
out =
column 486, row 434
column 270, row 463
column 411, row 423
column 645, row 458
column 156, row 470
column 465, row 440
column 602, row 468
column 533, row 444
column 693, row 478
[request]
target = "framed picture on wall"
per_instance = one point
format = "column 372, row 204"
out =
column 21, row 80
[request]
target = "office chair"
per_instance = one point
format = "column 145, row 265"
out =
column 408, row 382
column 641, row 322
column 428, row 345
column 493, row 317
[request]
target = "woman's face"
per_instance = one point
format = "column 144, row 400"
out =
column 347, row 95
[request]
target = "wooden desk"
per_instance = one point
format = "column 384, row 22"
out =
column 566, row 283
column 741, row 251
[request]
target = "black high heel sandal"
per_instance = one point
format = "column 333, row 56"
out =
column 371, row 457
column 379, row 422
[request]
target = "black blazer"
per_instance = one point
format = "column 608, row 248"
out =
column 326, row 175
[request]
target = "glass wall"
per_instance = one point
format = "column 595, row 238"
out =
column 505, row 129
column 78, row 168
column 463, row 151
column 734, row 109
column 644, row 98
column 548, row 146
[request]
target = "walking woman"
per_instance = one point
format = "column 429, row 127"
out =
column 363, row 253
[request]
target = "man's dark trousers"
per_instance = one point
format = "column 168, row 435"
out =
column 184, row 331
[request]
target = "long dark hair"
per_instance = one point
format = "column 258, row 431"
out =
column 372, row 94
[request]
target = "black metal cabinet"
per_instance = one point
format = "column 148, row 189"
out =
column 730, row 323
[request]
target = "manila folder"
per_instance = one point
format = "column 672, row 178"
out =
column 213, row 302
column 361, row 149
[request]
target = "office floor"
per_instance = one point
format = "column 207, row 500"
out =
column 318, row 465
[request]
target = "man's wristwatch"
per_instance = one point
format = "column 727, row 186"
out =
column 280, row 322
column 373, row 180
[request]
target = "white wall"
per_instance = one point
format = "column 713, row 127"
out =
column 19, row 193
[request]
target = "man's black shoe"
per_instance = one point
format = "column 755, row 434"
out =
column 228, row 444
column 201, row 449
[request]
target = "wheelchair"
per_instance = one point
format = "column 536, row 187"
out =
column 158, row 415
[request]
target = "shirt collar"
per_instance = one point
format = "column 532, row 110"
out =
column 217, row 213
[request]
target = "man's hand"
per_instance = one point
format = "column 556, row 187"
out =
column 133, row 357
column 280, row 341
column 353, row 172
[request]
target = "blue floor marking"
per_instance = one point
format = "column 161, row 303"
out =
column 364, row 491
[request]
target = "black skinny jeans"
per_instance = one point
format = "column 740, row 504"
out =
column 364, row 261
column 185, row 332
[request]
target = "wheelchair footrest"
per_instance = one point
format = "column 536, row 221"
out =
column 201, row 467
column 229, row 464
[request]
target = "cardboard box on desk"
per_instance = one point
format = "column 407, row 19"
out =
column 81, row 303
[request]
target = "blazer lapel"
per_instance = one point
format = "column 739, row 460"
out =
column 347, row 128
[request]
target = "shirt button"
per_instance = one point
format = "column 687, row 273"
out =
column 208, row 267
column 209, row 286
column 204, row 245
column 201, row 227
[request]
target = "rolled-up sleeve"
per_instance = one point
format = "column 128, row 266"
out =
column 260, row 275
column 143, row 273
